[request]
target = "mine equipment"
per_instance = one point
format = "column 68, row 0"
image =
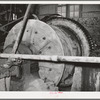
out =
column 51, row 39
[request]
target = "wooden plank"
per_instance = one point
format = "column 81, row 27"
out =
column 54, row 58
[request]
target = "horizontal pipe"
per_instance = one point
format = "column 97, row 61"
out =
column 53, row 58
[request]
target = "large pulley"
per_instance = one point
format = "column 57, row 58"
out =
column 42, row 39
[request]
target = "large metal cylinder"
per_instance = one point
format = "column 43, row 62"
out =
column 58, row 37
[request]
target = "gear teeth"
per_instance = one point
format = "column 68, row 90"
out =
column 92, row 44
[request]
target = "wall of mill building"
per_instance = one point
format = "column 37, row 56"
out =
column 89, row 17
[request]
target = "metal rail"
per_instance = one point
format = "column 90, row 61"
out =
column 54, row 58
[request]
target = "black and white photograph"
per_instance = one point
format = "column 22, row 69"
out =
column 50, row 47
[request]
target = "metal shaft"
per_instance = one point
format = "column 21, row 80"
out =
column 54, row 58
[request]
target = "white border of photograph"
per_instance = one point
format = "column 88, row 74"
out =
column 51, row 94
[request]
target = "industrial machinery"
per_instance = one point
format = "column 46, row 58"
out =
column 54, row 35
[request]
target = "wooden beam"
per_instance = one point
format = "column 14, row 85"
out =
column 54, row 58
